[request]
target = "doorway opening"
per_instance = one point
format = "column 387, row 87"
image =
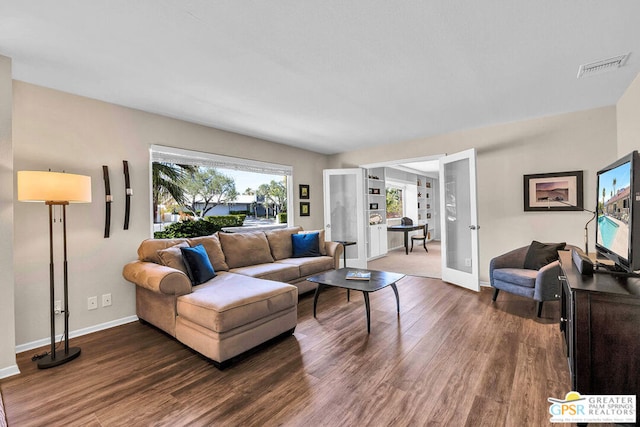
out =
column 417, row 180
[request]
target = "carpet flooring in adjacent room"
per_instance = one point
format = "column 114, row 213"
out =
column 416, row 263
column 451, row 358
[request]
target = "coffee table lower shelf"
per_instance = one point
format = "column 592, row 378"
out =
column 337, row 278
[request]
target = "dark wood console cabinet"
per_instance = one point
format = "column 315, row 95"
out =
column 600, row 320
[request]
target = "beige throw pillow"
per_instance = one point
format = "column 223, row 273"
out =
column 214, row 250
column 172, row 257
column 280, row 242
column 242, row 249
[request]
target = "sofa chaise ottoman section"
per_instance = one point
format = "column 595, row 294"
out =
column 233, row 313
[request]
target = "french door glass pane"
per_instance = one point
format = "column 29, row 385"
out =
column 457, row 215
column 344, row 210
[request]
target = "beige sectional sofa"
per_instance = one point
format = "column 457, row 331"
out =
column 252, row 299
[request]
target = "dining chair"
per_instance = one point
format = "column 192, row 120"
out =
column 422, row 237
column 406, row 221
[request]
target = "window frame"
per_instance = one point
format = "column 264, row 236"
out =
column 161, row 153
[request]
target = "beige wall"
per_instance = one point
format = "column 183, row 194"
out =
column 66, row 132
column 576, row 141
column 7, row 319
column 628, row 113
column 60, row 131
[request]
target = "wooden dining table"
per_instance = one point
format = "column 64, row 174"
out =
column 405, row 229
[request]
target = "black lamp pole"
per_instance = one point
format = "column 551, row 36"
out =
column 586, row 230
column 51, row 360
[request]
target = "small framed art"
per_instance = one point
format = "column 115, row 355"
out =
column 304, row 191
column 305, row 209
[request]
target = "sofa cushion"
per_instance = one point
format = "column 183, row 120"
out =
column 280, row 242
column 323, row 249
column 309, row 266
column 541, row 254
column 242, row 249
column 214, row 250
column 198, row 265
column 516, row 276
column 305, row 245
column 148, row 249
column 232, row 300
column 270, row 271
column 172, row 257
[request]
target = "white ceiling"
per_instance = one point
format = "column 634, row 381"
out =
column 331, row 75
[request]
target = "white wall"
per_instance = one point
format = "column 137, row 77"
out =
column 7, row 319
column 583, row 140
column 628, row 113
column 61, row 131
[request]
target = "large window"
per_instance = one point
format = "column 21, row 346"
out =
column 395, row 202
column 195, row 184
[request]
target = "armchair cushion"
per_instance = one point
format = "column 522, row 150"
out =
column 541, row 254
column 516, row 276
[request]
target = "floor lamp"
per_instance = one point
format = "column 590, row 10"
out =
column 56, row 189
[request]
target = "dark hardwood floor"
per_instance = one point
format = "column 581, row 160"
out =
column 452, row 357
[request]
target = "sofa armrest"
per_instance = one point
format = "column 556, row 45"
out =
column 334, row 250
column 157, row 278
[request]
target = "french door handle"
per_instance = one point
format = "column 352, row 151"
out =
column 474, row 227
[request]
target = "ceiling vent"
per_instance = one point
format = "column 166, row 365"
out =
column 602, row 66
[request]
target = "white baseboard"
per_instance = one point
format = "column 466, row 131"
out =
column 9, row 371
column 102, row 326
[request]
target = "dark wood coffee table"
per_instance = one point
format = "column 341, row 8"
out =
column 378, row 280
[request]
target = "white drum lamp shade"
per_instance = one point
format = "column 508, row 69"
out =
column 39, row 186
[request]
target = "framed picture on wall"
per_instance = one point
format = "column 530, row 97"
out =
column 558, row 191
column 305, row 209
column 304, row 191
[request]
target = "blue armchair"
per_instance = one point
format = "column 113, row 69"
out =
column 507, row 272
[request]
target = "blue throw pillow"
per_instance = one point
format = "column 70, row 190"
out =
column 305, row 245
column 199, row 268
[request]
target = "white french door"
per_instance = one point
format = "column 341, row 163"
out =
column 344, row 212
column 459, row 219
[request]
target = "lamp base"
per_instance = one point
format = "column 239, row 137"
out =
column 61, row 357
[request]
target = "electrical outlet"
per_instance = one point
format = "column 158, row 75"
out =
column 106, row 300
column 467, row 262
column 57, row 307
column 92, row 303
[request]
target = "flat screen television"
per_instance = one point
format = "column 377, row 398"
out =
column 618, row 224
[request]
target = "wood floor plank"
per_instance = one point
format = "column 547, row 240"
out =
column 452, row 357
